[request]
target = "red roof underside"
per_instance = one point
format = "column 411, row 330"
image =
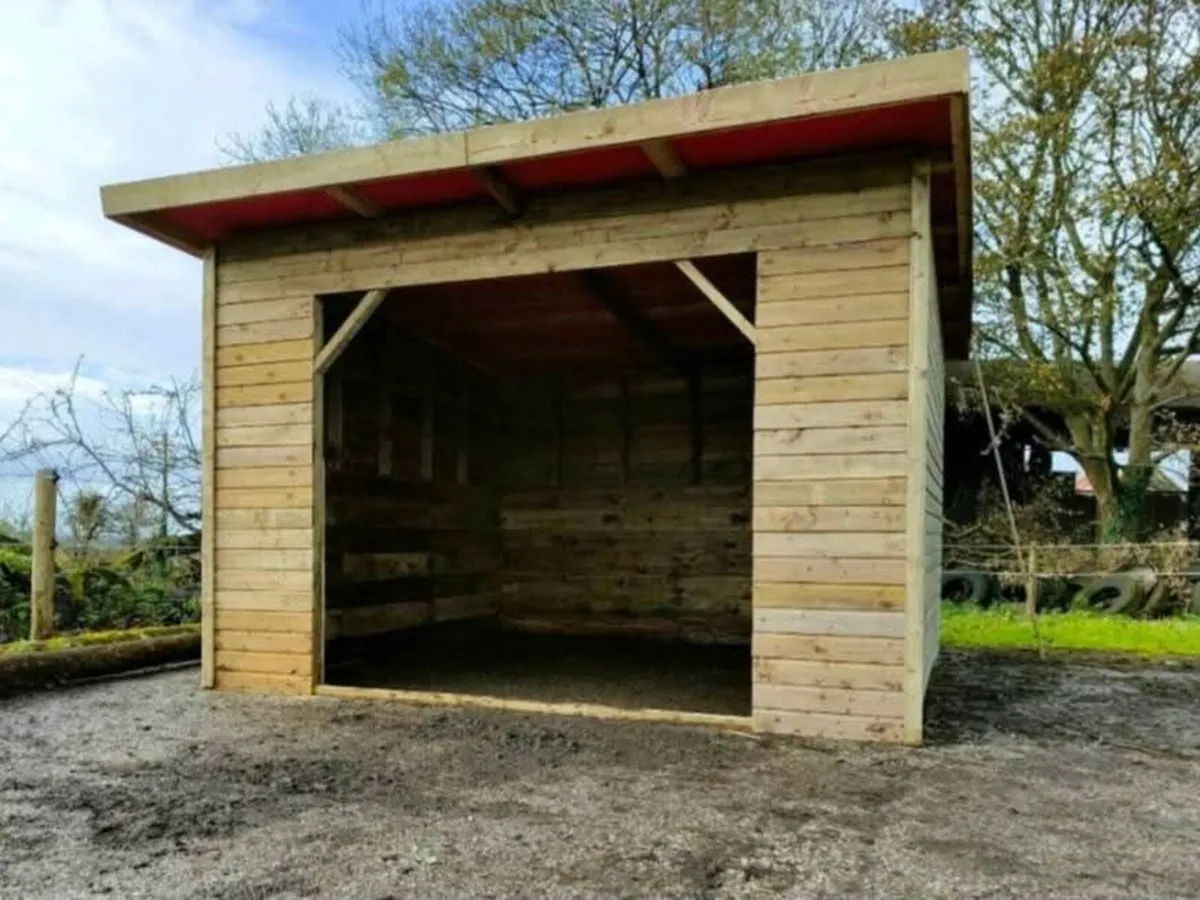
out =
column 920, row 125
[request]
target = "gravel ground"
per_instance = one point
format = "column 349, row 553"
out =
column 1041, row 780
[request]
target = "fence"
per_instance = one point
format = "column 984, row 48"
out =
column 1154, row 577
column 47, row 586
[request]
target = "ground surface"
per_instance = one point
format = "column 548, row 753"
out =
column 1043, row 780
column 480, row 658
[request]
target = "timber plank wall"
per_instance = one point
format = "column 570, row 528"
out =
column 834, row 553
column 626, row 503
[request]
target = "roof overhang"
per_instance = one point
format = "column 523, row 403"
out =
column 917, row 104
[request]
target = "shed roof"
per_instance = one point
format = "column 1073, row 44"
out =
column 918, row 104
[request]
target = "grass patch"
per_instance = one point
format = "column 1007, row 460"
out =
column 93, row 638
column 1006, row 627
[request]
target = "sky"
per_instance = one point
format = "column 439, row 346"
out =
column 98, row 91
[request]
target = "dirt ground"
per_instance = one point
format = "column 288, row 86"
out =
column 1041, row 780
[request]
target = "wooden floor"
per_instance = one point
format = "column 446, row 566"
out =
column 593, row 673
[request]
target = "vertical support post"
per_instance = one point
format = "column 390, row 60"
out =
column 919, row 310
column 384, row 385
column 626, row 423
column 208, row 475
column 428, row 402
column 45, row 515
column 318, row 500
column 1031, row 584
column 696, row 425
column 464, row 426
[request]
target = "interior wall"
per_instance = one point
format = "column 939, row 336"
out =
column 625, row 503
column 411, row 516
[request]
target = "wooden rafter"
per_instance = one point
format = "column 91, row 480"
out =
column 353, row 200
column 665, row 159
column 719, row 300
column 608, row 294
column 501, row 189
column 354, row 323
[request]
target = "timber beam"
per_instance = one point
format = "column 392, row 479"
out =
column 719, row 300
column 664, row 157
column 609, row 294
column 502, row 190
column 354, row 323
column 354, row 200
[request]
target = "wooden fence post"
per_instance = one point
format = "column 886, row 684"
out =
column 1031, row 584
column 45, row 517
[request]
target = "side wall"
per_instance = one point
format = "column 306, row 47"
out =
column 626, row 504
column 411, row 523
column 831, row 438
column 264, row 573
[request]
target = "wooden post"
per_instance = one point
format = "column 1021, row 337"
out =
column 1031, row 584
column 41, row 595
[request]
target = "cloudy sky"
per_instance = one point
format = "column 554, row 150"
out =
column 108, row 90
column 97, row 91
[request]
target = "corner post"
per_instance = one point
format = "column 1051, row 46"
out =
column 208, row 474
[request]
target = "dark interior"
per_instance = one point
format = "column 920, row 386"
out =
column 539, row 488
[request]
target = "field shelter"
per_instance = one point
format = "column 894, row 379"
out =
column 633, row 412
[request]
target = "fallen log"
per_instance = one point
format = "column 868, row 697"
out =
column 45, row 668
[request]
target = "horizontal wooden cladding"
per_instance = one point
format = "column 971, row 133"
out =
column 862, row 570
column 822, row 673
column 286, row 456
column 886, row 704
column 875, row 308
column 829, row 466
column 828, row 518
column 233, row 559
column 842, row 336
column 829, row 596
column 266, row 539
column 264, row 394
column 817, row 441
column 809, row 204
column 298, row 497
column 279, row 310
column 829, row 727
column 841, row 414
column 264, row 373
column 833, row 648
column 287, row 585
column 887, row 545
column 811, row 363
column 848, row 623
column 825, row 388
column 851, row 492
column 263, row 621
column 251, row 518
column 260, row 641
column 264, row 435
column 298, row 664
column 842, row 258
column 263, row 332
column 265, row 477
column 300, row 350
column 263, row 683
column 856, row 285
column 252, row 591
column 274, row 414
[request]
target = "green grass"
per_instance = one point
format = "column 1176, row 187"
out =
column 92, row 638
column 1006, row 627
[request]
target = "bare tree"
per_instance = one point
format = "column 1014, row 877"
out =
column 136, row 448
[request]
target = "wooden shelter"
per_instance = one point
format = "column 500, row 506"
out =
column 667, row 374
